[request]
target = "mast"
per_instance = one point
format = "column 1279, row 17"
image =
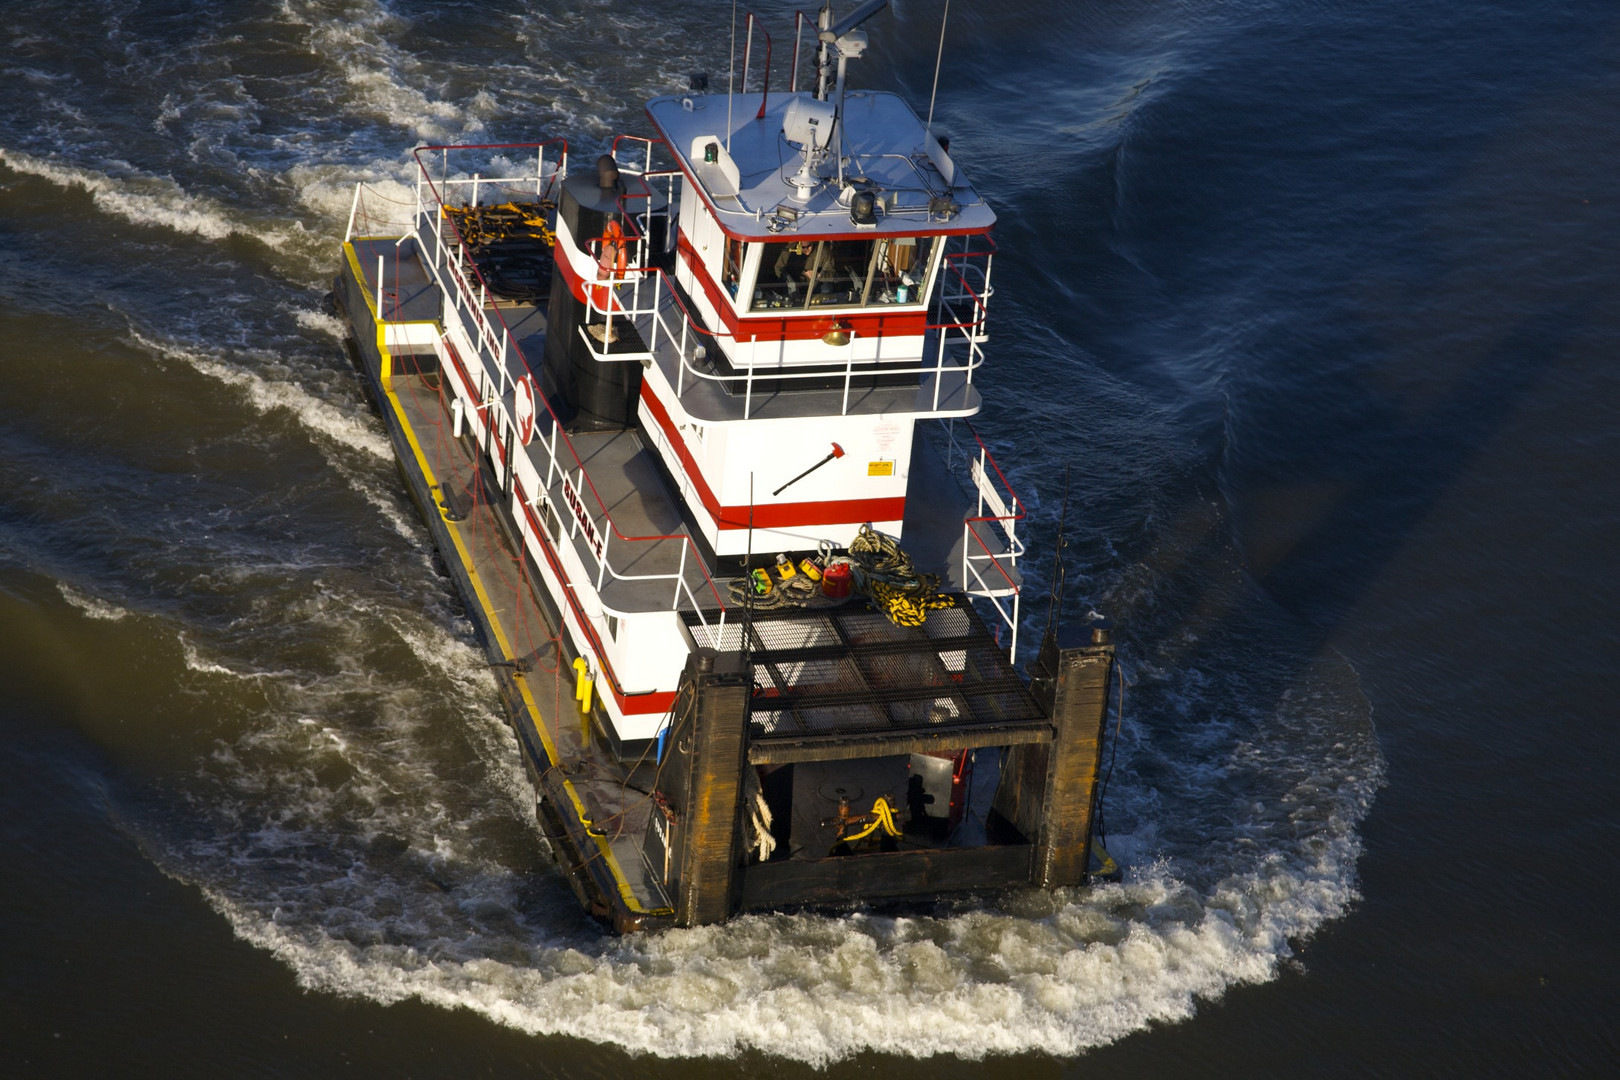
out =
column 843, row 40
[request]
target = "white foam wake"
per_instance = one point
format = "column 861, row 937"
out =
column 818, row 989
column 95, row 609
column 377, row 837
column 380, row 76
column 446, row 921
column 267, row 395
column 333, row 427
column 195, row 661
column 320, row 322
column 154, row 201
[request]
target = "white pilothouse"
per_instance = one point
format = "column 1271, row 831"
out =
column 726, row 390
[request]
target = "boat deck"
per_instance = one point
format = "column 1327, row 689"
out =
column 540, row 676
column 842, row 681
column 528, row 325
column 409, row 293
column 648, row 542
column 637, row 503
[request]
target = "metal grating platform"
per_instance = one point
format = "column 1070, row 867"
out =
column 846, row 682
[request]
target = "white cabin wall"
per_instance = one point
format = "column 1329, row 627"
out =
column 691, row 206
column 726, row 453
column 647, row 651
column 766, row 356
column 699, row 447
column 775, row 453
column 709, row 242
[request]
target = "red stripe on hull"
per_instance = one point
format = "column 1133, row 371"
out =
column 778, row 515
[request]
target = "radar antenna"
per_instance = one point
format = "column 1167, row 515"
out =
column 842, row 39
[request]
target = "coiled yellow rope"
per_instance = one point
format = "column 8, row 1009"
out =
column 484, row 225
column 907, row 607
column 882, row 814
column 887, row 575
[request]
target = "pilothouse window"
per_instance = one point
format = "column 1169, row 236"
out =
column 734, row 261
column 805, row 274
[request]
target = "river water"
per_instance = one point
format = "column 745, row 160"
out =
column 1313, row 300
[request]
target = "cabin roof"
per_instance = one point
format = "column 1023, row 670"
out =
column 919, row 189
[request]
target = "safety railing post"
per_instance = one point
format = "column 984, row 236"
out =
column 680, row 374
column 966, row 557
column 748, row 383
column 653, row 283
column 551, row 463
column 798, row 37
column 985, row 479
column 680, row 581
column 939, row 365
column 573, row 533
column 354, row 208
column 849, row 371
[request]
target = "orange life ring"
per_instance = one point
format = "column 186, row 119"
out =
column 611, row 254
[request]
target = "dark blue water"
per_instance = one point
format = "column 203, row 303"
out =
column 1315, row 303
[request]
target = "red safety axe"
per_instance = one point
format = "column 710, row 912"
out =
column 837, row 452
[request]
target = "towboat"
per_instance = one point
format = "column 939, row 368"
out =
column 690, row 430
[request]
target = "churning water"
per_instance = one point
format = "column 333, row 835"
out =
column 204, row 545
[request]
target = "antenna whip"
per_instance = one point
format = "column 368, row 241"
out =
column 938, row 57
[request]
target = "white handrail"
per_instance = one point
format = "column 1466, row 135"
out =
column 1006, row 511
column 495, row 352
column 655, row 312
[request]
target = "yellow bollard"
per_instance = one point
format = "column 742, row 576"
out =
column 582, row 684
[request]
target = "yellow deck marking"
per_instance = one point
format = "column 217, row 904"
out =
column 386, row 374
column 507, row 653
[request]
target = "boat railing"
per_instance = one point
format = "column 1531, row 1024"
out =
column 499, row 355
column 643, row 291
column 646, row 293
column 638, row 209
column 748, row 55
column 963, row 307
column 800, row 21
column 374, row 213
column 988, row 574
column 460, row 187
